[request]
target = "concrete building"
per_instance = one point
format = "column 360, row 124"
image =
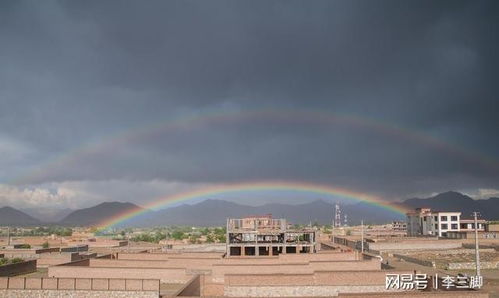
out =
column 267, row 236
column 425, row 222
column 399, row 226
column 468, row 225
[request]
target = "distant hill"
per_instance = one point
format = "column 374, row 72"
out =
column 97, row 214
column 215, row 212
column 47, row 215
column 455, row 201
column 13, row 217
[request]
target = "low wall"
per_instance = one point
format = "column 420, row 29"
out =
column 301, row 291
column 83, row 262
column 328, row 256
column 166, row 256
column 321, row 283
column 220, row 272
column 18, row 268
column 415, row 260
column 52, row 259
column 76, row 294
column 76, row 248
column 290, row 259
column 373, row 264
column 170, row 275
column 185, row 263
column 93, row 284
column 322, row 278
column 27, row 253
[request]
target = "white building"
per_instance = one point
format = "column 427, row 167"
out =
column 425, row 222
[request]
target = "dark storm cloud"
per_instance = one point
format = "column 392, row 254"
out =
column 74, row 73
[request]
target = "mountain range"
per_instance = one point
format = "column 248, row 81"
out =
column 455, row 201
column 14, row 217
column 214, row 212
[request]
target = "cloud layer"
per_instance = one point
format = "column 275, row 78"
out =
column 94, row 94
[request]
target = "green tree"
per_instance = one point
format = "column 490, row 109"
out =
column 178, row 235
column 46, row 244
column 221, row 238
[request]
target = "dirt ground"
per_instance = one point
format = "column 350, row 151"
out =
column 490, row 276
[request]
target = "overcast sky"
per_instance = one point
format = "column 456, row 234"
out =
column 131, row 100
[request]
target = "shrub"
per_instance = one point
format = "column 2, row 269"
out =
column 16, row 260
column 45, row 244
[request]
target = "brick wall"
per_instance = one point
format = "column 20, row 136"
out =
column 174, row 263
column 319, row 278
column 75, row 294
column 320, row 283
column 171, row 275
column 97, row 284
column 18, row 268
column 166, row 256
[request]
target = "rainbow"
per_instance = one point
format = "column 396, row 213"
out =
column 213, row 191
column 190, row 122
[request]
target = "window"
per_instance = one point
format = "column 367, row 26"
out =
column 464, row 226
column 453, row 218
column 443, row 218
column 444, row 226
column 435, row 218
column 424, row 218
column 436, row 226
column 453, row 226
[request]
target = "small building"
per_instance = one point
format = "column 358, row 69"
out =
column 267, row 236
column 425, row 222
column 468, row 225
column 399, row 226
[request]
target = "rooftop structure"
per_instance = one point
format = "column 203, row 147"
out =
column 264, row 235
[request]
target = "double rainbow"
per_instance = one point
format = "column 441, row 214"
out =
column 190, row 122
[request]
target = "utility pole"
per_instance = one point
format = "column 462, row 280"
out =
column 477, row 250
column 8, row 236
column 362, row 236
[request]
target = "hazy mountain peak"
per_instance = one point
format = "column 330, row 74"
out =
column 12, row 216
